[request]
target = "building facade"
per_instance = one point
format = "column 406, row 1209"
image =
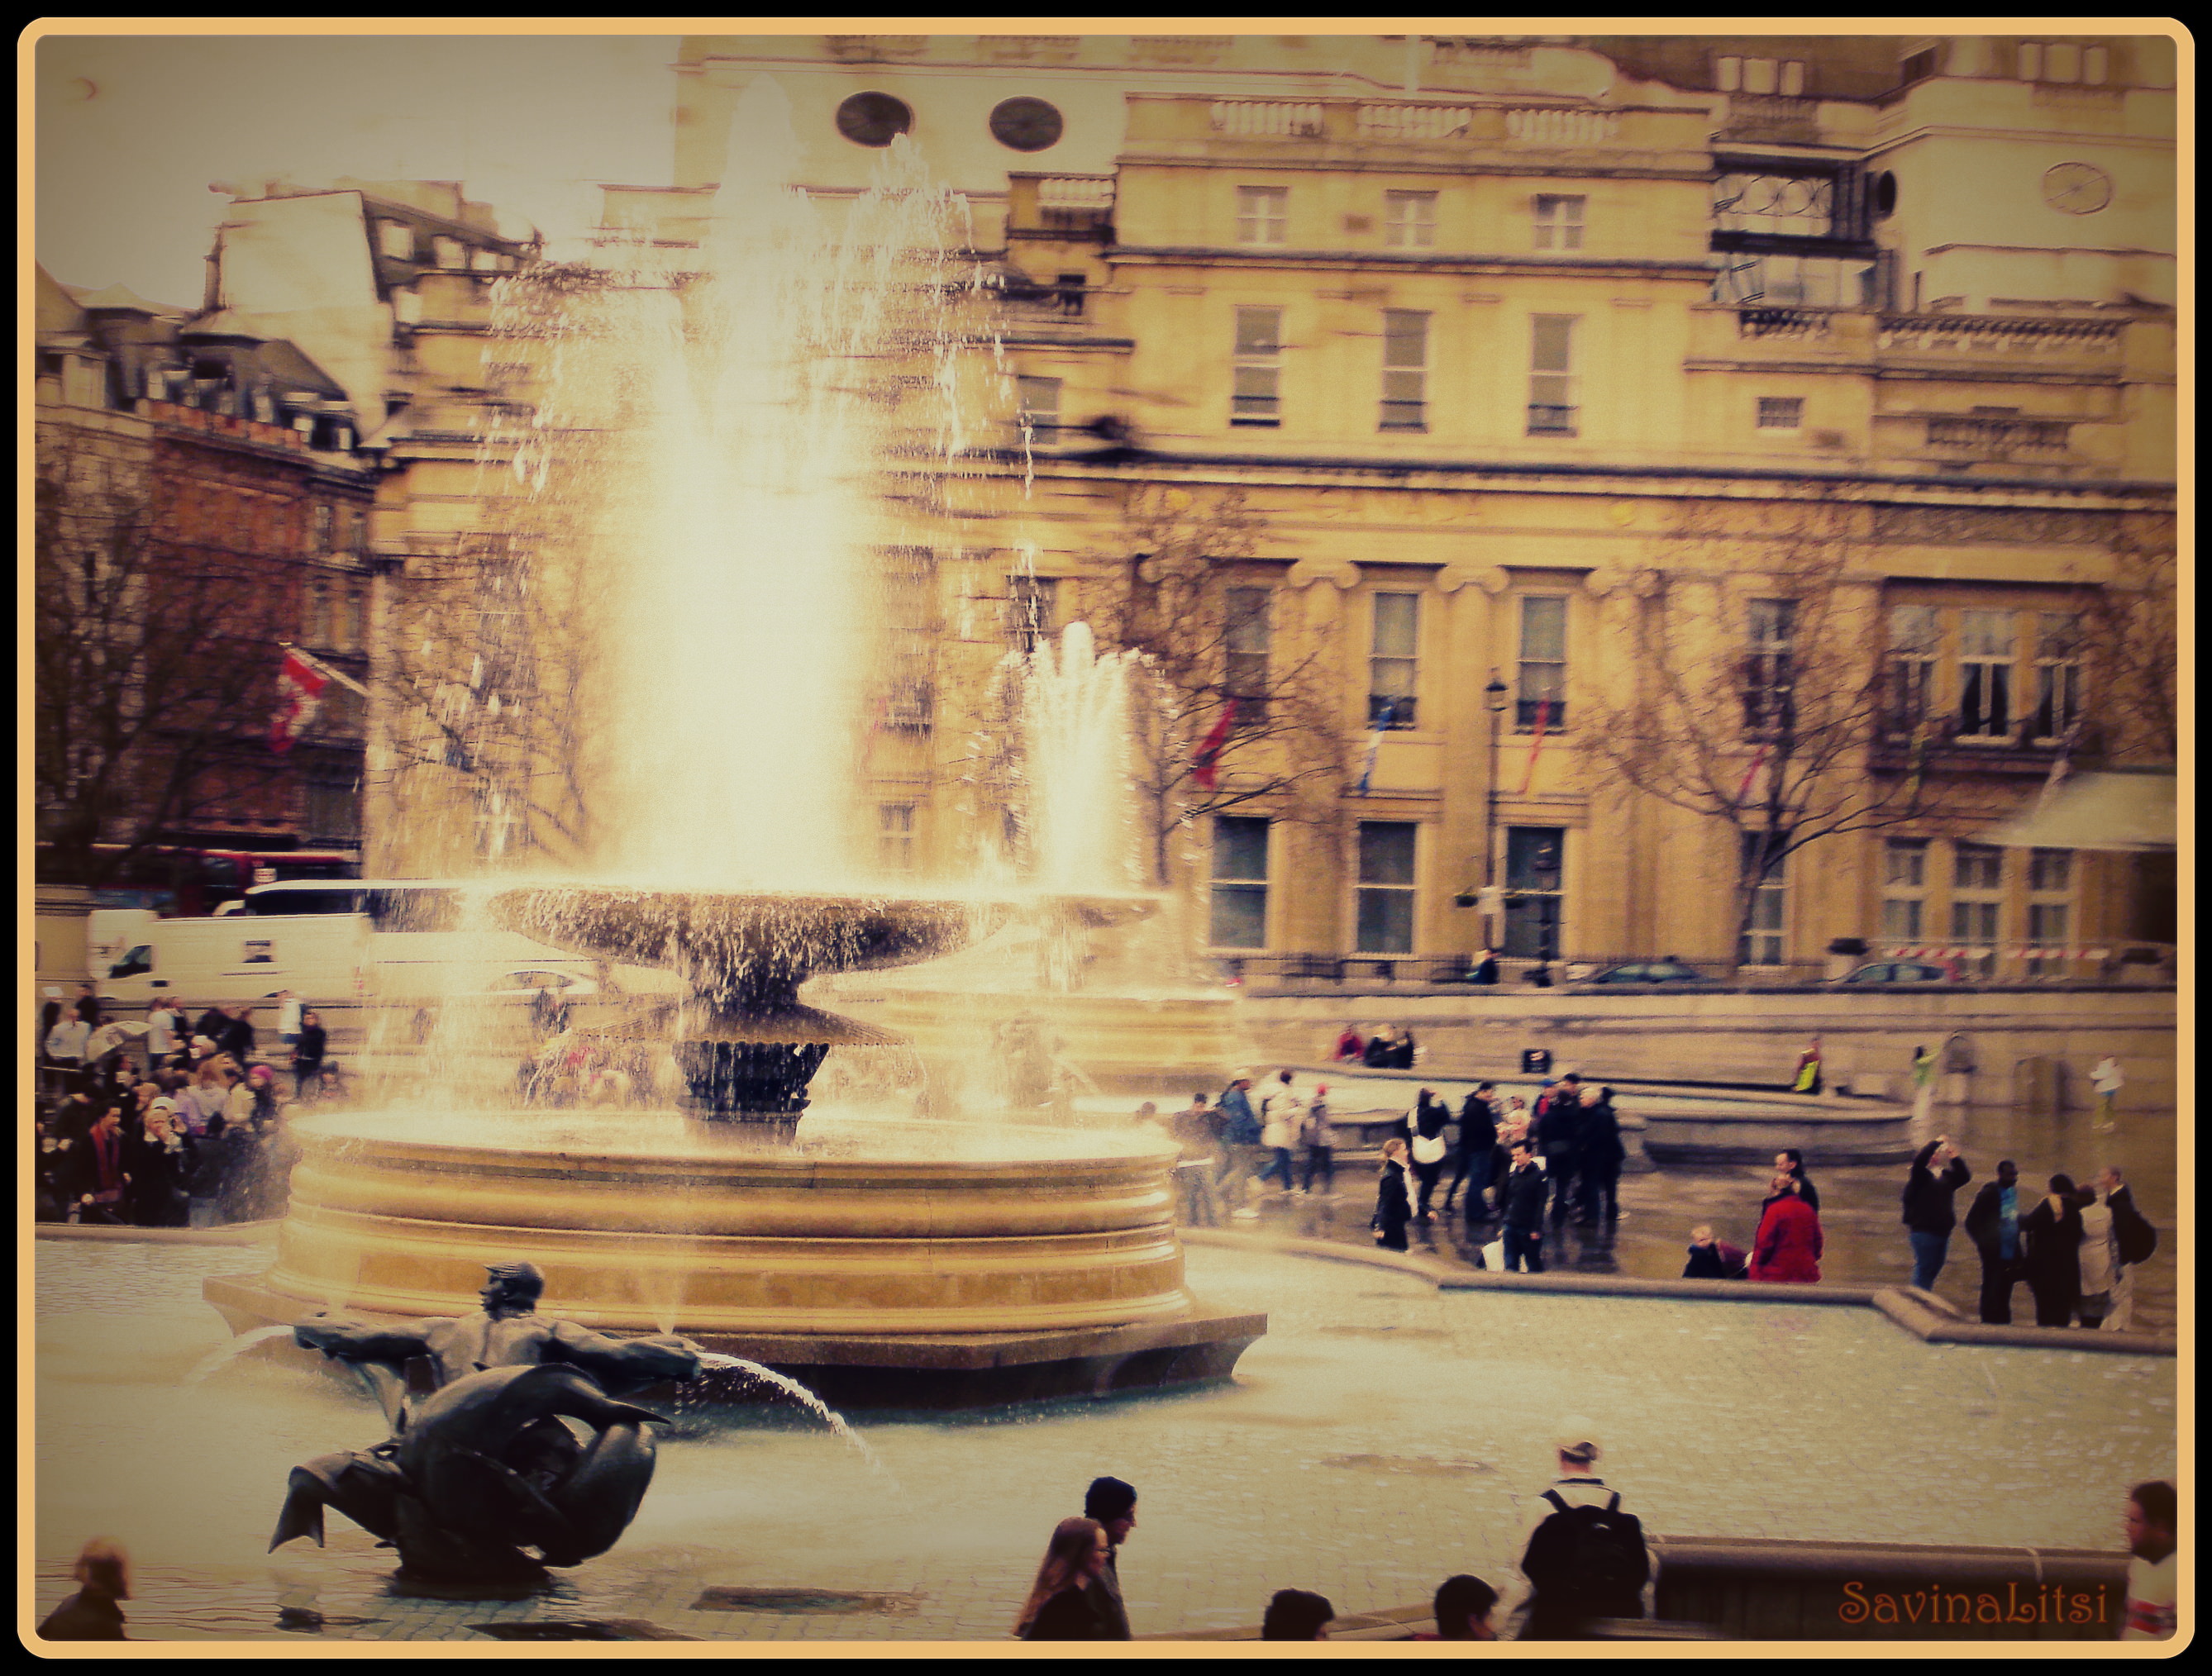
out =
column 200, row 503
column 1577, row 368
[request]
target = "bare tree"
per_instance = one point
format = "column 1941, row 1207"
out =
column 1768, row 715
column 154, row 657
column 1233, row 711
column 2131, row 636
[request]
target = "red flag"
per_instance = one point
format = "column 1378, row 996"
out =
column 300, row 686
column 1751, row 773
column 1536, row 744
column 1206, row 764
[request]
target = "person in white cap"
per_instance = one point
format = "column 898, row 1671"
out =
column 1582, row 1558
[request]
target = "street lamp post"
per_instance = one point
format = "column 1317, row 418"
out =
column 1494, row 697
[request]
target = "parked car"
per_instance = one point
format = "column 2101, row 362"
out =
column 1640, row 971
column 1893, row 972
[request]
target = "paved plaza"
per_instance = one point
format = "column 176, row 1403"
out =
column 1381, row 1436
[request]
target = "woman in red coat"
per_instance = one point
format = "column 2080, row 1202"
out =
column 1788, row 1246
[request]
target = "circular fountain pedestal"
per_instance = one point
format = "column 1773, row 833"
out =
column 883, row 1263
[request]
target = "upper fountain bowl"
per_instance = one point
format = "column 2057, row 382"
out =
column 755, row 947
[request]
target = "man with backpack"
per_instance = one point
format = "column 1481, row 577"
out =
column 1584, row 1558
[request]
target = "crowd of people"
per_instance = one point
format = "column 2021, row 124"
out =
column 1582, row 1561
column 1584, row 1570
column 179, row 1122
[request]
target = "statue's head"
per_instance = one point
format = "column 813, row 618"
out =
column 512, row 1289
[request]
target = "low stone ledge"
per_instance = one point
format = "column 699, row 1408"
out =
column 233, row 1234
column 1923, row 1315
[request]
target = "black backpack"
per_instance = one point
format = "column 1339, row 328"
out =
column 2132, row 1229
column 1585, row 1562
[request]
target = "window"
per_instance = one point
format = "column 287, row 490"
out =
column 1245, row 633
column 1769, row 706
column 395, row 239
column 1985, row 655
column 1542, row 696
column 1386, row 887
column 1405, row 370
column 1262, row 214
column 873, row 119
column 333, row 810
column 1795, row 205
column 1256, row 392
column 1977, row 902
column 1764, row 938
column 910, row 627
column 1534, row 858
column 1030, row 606
column 1551, row 381
column 1025, row 125
column 895, row 837
column 2057, row 675
column 1914, row 637
column 1039, row 400
column 1904, row 887
column 1393, row 665
column 1758, row 76
column 1240, row 883
column 1558, row 223
column 1409, row 221
column 1781, row 413
column 2050, row 912
column 2051, row 870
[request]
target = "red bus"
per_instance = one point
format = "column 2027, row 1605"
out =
column 185, row 881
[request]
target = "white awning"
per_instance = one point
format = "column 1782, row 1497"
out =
column 2098, row 811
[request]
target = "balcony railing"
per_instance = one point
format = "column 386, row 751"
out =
column 1553, row 125
column 1412, row 122
column 1979, row 434
column 1267, row 118
column 1804, row 324
column 1996, row 335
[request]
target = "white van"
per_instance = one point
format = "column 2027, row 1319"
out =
column 319, row 957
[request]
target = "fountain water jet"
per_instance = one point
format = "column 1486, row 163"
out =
column 732, row 438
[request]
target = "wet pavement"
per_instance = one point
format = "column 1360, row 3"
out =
column 1382, row 1435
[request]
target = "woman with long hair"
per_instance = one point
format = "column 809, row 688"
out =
column 1064, row 1603
column 1393, row 1206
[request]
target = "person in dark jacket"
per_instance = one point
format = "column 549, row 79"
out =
column 2052, row 1231
column 1066, row 1603
column 238, row 1040
column 1712, row 1258
column 1478, row 1140
column 1377, row 1055
column 1938, row 1172
column 1791, row 1161
column 1521, row 1208
column 1403, row 1050
column 1600, row 1155
column 307, row 1055
column 1993, row 1222
column 100, row 1173
column 1112, row 1502
column 103, row 1578
column 1394, row 1207
column 1559, row 1133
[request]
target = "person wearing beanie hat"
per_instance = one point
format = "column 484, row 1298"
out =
column 1582, row 1558
column 1112, row 1502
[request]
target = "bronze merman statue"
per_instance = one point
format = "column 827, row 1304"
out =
column 484, row 1468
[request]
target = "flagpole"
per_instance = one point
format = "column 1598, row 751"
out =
column 323, row 669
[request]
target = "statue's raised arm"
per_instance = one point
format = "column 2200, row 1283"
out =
column 616, row 1362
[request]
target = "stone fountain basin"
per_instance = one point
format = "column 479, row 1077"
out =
column 885, row 1263
column 769, row 939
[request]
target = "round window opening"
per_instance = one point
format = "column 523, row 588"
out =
column 1025, row 125
column 1885, row 193
column 873, row 119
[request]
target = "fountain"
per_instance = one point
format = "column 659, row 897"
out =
column 742, row 475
